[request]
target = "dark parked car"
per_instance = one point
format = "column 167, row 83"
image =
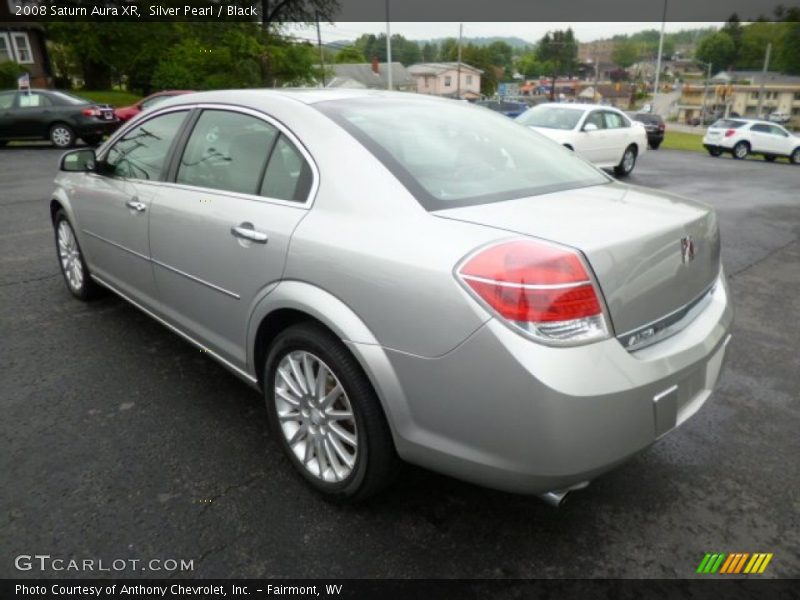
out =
column 126, row 113
column 505, row 107
column 655, row 127
column 56, row 116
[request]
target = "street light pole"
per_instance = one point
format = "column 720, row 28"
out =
column 658, row 60
column 705, row 93
column 763, row 80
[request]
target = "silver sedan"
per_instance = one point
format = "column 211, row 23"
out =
column 405, row 277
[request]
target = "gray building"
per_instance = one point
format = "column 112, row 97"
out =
column 374, row 76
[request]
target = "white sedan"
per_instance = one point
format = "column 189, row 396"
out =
column 602, row 135
column 741, row 137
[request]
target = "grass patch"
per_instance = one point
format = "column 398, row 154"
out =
column 114, row 98
column 680, row 140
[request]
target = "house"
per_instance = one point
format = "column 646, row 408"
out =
column 781, row 93
column 442, row 79
column 24, row 43
column 374, row 76
column 616, row 94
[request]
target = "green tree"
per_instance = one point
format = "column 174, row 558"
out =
column 734, row 29
column 560, row 51
column 788, row 54
column 626, row 52
column 529, row 66
column 349, row 54
column 717, row 49
column 430, row 52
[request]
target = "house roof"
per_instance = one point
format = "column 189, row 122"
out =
column 755, row 77
column 434, row 68
column 362, row 74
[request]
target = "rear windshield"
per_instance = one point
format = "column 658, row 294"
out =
column 647, row 118
column 727, row 124
column 449, row 153
column 551, row 117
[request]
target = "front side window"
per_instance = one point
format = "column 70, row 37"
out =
column 758, row 128
column 22, row 48
column 142, row 152
column 450, row 154
column 551, row 117
column 775, row 130
column 227, row 151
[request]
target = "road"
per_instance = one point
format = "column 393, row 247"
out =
column 121, row 441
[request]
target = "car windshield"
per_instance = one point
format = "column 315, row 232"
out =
column 65, row 98
column 551, row 117
column 451, row 154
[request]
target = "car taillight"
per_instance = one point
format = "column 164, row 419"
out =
column 91, row 112
column 730, row 132
column 540, row 288
column 662, row 127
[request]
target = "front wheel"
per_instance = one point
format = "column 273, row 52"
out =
column 795, row 157
column 326, row 415
column 625, row 166
column 62, row 136
column 741, row 150
column 70, row 259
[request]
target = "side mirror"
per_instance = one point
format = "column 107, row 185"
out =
column 590, row 127
column 79, row 161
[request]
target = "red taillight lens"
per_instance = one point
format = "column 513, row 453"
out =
column 540, row 288
column 662, row 127
column 730, row 132
column 91, row 112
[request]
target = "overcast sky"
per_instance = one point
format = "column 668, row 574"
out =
column 585, row 32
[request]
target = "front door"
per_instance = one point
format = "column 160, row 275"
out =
column 219, row 234
column 113, row 205
column 592, row 144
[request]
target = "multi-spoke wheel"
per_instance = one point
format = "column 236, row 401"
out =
column 70, row 259
column 326, row 414
column 62, row 136
column 625, row 166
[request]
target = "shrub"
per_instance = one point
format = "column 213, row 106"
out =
column 9, row 72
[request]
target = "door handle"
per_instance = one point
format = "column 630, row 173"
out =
column 246, row 231
column 136, row 205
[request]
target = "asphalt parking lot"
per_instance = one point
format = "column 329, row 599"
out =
column 121, row 441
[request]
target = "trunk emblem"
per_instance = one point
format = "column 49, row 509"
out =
column 687, row 249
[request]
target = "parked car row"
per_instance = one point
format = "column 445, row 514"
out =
column 63, row 118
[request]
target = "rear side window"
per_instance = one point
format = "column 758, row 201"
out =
column 288, row 175
column 142, row 152
column 727, row 124
column 615, row 120
column 227, row 151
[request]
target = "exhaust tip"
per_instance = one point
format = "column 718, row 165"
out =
column 557, row 498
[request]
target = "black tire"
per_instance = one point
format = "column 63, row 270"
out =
column 741, row 150
column 61, row 135
column 715, row 152
column 770, row 157
column 88, row 289
column 795, row 156
column 3, row 143
column 625, row 168
column 655, row 145
column 92, row 140
column 376, row 461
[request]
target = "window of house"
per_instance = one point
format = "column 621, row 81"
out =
column 142, row 152
column 797, row 95
column 5, row 48
column 448, row 81
column 22, row 48
column 469, row 79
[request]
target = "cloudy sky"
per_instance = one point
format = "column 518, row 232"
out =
column 585, row 32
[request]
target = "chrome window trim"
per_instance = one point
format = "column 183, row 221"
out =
column 670, row 323
column 283, row 129
column 240, row 372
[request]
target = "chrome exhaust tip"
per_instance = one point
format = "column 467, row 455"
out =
column 556, row 498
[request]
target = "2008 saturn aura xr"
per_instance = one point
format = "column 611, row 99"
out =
column 406, row 278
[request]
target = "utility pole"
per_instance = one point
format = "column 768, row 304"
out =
column 321, row 55
column 388, row 50
column 658, row 60
column 596, row 78
column 763, row 79
column 458, row 68
column 705, row 92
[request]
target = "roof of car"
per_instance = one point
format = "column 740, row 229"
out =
column 580, row 105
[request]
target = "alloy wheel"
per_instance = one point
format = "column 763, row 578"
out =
column 628, row 160
column 315, row 416
column 740, row 150
column 70, row 256
column 61, row 136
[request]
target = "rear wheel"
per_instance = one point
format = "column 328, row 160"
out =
column 715, row 151
column 769, row 157
column 70, row 259
column 625, row 166
column 326, row 415
column 795, row 157
column 741, row 150
column 62, row 136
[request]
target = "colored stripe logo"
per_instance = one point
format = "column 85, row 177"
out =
column 734, row 563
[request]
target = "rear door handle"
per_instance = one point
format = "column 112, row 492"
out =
column 136, row 205
column 246, row 231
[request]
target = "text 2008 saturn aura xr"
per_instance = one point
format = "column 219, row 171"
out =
column 406, row 277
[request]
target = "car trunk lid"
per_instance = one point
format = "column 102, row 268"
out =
column 652, row 253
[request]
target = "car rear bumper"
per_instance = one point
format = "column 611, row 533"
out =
column 508, row 413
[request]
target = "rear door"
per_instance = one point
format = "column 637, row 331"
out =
column 32, row 114
column 113, row 206
column 593, row 145
column 219, row 232
column 618, row 134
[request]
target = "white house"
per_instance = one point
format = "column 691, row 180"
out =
column 442, row 79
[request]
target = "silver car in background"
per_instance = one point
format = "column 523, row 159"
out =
column 405, row 277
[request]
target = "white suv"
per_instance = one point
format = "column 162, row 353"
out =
column 741, row 137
